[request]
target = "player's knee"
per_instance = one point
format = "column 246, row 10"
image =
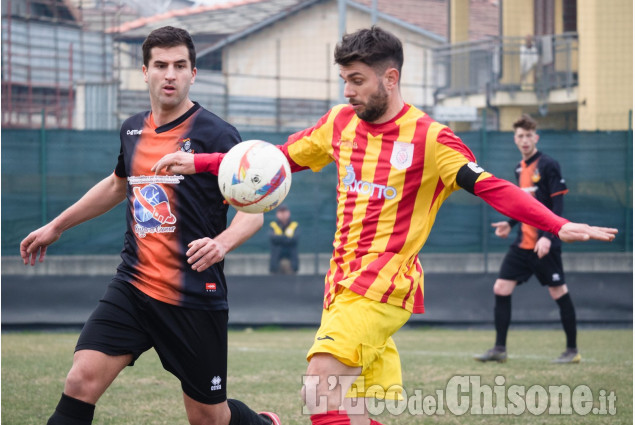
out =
column 310, row 392
column 504, row 287
column 557, row 291
column 81, row 384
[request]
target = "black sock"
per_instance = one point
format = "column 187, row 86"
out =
column 243, row 415
column 71, row 411
column 567, row 316
column 502, row 317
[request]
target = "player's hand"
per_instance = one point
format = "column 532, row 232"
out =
column 175, row 163
column 36, row 242
column 502, row 229
column 543, row 245
column 203, row 253
column 572, row 232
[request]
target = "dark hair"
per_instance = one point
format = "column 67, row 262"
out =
column 525, row 122
column 168, row 37
column 374, row 47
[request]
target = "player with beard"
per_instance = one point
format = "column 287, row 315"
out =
column 395, row 166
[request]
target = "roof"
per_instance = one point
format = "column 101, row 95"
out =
column 219, row 19
column 224, row 22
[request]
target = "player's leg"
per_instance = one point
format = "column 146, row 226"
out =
column 515, row 269
column 232, row 412
column 326, row 383
column 550, row 273
column 567, row 316
column 91, row 374
column 192, row 345
column 108, row 343
column 354, row 338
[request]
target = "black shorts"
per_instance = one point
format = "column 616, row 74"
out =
column 192, row 344
column 519, row 264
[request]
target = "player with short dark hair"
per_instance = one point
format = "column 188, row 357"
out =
column 169, row 292
column 534, row 252
column 395, row 167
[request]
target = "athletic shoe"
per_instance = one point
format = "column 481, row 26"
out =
column 493, row 355
column 569, row 356
column 275, row 420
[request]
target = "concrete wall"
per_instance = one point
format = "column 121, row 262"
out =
column 606, row 64
column 258, row 264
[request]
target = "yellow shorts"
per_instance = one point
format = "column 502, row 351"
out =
column 357, row 331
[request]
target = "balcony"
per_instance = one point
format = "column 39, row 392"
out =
column 506, row 72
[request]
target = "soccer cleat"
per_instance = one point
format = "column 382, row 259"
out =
column 493, row 355
column 275, row 420
column 571, row 355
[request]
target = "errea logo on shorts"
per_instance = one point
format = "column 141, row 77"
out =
column 134, row 132
column 216, row 383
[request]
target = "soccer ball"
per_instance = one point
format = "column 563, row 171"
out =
column 254, row 176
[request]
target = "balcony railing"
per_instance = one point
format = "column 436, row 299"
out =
column 507, row 64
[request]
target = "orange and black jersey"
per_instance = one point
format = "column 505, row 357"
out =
column 167, row 212
column 540, row 176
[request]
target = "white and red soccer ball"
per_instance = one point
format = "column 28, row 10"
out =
column 254, row 176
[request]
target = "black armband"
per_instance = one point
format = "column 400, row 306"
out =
column 467, row 176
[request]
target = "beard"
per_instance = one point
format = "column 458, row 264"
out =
column 376, row 106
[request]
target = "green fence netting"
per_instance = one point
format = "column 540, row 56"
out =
column 43, row 172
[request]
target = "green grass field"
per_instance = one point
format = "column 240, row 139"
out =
column 266, row 368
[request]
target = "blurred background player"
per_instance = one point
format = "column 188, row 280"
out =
column 169, row 292
column 396, row 166
column 283, row 236
column 534, row 252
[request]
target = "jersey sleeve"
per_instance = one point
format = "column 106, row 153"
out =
column 120, row 168
column 510, row 200
column 556, row 183
column 311, row 148
column 456, row 162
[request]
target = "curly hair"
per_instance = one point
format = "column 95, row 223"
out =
column 373, row 46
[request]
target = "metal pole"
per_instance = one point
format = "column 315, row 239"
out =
column 629, row 178
column 70, row 87
column 484, row 206
column 373, row 12
column 43, row 170
column 278, row 88
column 342, row 30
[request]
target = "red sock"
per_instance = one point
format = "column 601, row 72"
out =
column 332, row 417
column 374, row 422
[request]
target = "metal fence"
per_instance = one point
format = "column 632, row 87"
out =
column 43, row 172
column 507, row 64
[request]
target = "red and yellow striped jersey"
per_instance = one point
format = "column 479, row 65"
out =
column 392, row 179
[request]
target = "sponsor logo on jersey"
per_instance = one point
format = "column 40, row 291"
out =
column 134, row 132
column 210, row 287
column 347, row 144
column 363, row 187
column 152, row 210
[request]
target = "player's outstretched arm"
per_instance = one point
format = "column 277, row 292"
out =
column 175, row 163
column 574, row 232
column 99, row 199
column 202, row 253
